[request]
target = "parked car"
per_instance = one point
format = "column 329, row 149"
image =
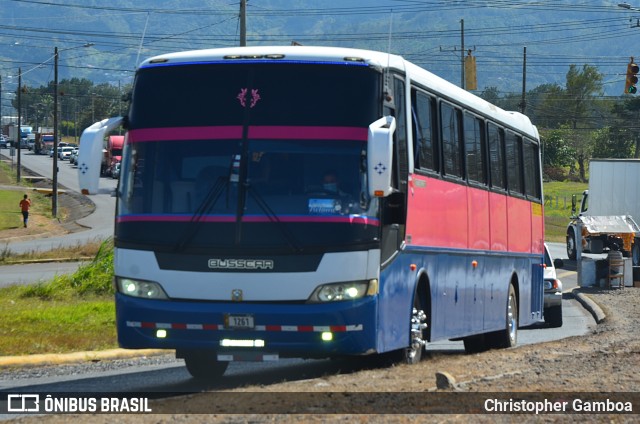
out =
column 64, row 152
column 4, row 143
column 552, row 290
column 73, row 157
column 115, row 173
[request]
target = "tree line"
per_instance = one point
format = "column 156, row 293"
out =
column 576, row 122
column 80, row 104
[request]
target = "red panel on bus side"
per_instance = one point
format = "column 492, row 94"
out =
column 498, row 221
column 537, row 228
column 478, row 216
column 519, row 225
column 437, row 213
column 450, row 215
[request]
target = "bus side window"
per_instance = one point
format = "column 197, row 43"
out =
column 496, row 157
column 531, row 167
column 425, row 153
column 451, row 146
column 474, row 148
column 401, row 148
column 513, row 145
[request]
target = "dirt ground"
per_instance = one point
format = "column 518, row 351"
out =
column 604, row 363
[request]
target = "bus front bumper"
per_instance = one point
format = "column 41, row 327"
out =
column 248, row 330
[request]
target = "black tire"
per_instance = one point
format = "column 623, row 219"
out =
column 571, row 244
column 204, row 365
column 553, row 316
column 509, row 336
column 475, row 344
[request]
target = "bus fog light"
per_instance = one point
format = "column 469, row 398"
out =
column 241, row 343
column 139, row 288
column 339, row 291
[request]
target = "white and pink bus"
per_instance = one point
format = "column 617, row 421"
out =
column 318, row 202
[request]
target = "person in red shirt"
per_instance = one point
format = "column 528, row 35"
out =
column 25, row 204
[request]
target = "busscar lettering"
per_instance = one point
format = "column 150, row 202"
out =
column 240, row 263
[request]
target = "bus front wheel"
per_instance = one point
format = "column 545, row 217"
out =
column 417, row 339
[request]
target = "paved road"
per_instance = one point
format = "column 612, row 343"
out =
column 99, row 224
column 34, row 273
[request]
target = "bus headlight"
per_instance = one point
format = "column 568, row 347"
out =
column 139, row 288
column 336, row 292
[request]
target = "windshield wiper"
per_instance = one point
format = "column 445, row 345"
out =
column 210, row 200
column 274, row 218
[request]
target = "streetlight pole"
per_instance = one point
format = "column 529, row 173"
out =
column 54, row 186
column 54, row 189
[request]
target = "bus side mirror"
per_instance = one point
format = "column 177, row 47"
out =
column 380, row 156
column 573, row 204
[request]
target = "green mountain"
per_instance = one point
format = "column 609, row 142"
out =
column 556, row 33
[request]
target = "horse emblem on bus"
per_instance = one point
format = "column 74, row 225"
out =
column 242, row 97
column 236, row 295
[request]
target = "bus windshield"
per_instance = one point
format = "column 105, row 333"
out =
column 214, row 162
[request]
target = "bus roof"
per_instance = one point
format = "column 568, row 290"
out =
column 301, row 53
column 377, row 59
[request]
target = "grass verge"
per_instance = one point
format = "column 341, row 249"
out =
column 70, row 313
column 557, row 208
column 80, row 251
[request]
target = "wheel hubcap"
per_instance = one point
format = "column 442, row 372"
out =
column 512, row 318
column 418, row 325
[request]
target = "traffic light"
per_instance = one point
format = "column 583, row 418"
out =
column 632, row 78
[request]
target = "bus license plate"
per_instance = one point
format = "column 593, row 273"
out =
column 238, row 322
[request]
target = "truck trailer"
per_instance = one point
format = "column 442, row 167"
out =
column 608, row 210
column 112, row 154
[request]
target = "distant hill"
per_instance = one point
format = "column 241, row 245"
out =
column 555, row 33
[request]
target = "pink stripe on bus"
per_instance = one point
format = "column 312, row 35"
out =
column 234, row 132
column 185, row 133
column 308, row 133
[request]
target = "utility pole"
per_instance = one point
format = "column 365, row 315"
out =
column 54, row 189
column 19, row 132
column 243, row 23
column 462, row 54
column 523, row 102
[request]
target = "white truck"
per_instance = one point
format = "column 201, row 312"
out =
column 609, row 210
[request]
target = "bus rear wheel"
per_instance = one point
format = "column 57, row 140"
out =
column 509, row 336
column 204, row 365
